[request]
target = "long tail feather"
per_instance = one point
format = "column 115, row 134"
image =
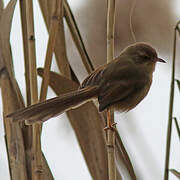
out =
column 53, row 107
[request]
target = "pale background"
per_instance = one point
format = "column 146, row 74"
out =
column 144, row 133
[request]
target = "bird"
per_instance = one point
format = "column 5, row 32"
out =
column 121, row 84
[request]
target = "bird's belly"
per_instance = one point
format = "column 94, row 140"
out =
column 132, row 100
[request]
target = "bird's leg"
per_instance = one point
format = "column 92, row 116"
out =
column 110, row 125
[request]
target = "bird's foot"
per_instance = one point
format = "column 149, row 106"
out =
column 111, row 127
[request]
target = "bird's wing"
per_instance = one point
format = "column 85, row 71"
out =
column 116, row 80
column 107, row 71
column 94, row 77
column 112, row 93
column 123, row 81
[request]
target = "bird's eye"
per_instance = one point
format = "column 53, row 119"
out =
column 145, row 57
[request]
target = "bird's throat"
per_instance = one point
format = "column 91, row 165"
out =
column 149, row 68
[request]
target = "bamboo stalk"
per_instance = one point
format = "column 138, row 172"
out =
column 36, row 129
column 56, row 16
column 27, row 130
column 31, row 51
column 171, row 102
column 121, row 153
column 77, row 37
column 110, row 30
column 110, row 114
column 22, row 4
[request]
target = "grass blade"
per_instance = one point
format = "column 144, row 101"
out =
column 177, row 127
column 178, row 83
column 176, row 173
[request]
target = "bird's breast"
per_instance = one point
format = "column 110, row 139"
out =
column 133, row 99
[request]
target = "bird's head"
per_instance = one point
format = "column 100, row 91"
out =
column 142, row 53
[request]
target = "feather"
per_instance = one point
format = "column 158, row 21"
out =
column 53, row 107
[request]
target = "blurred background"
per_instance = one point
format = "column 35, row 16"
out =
column 143, row 130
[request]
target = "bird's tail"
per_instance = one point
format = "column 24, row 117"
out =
column 53, row 107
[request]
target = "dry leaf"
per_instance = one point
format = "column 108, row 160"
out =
column 10, row 83
column 5, row 24
column 13, row 131
column 1, row 7
column 6, row 57
column 60, row 50
column 88, row 126
column 12, row 99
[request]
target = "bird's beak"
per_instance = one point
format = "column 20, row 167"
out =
column 160, row 60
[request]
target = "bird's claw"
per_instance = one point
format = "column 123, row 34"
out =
column 111, row 127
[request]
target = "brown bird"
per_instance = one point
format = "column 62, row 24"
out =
column 122, row 84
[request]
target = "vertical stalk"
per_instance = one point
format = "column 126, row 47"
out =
column 110, row 114
column 27, row 130
column 32, row 51
column 36, row 129
column 25, row 46
column 56, row 17
column 110, row 29
column 171, row 101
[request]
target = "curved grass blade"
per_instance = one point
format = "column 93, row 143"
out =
column 177, row 127
column 176, row 173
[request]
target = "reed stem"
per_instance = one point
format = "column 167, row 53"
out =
column 110, row 113
column 171, row 102
column 36, row 128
